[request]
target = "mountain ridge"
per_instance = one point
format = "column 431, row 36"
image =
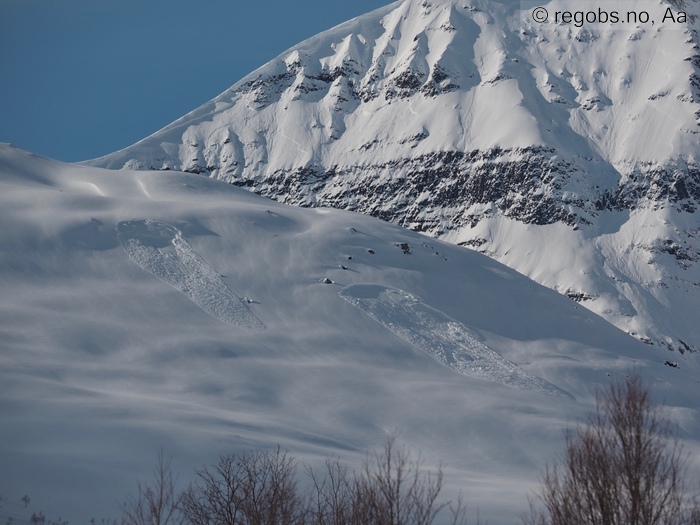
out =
column 461, row 118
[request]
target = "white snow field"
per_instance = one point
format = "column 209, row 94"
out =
column 121, row 332
column 568, row 153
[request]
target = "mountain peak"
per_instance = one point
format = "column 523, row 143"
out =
column 471, row 122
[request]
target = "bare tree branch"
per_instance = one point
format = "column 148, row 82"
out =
column 156, row 504
column 625, row 466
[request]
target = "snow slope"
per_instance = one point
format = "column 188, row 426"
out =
column 568, row 153
column 142, row 308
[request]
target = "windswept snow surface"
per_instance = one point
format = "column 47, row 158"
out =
column 102, row 362
column 438, row 335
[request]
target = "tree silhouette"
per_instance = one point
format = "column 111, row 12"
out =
column 625, row 466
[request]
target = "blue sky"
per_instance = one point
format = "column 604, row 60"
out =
column 82, row 78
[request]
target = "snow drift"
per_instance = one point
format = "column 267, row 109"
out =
column 129, row 304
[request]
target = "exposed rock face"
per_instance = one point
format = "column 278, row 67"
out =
column 570, row 154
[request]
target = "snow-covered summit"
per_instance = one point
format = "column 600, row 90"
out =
column 569, row 153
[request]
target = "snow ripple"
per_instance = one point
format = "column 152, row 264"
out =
column 441, row 337
column 161, row 249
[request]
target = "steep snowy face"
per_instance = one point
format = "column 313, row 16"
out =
column 569, row 153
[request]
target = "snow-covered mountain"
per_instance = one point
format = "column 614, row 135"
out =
column 568, row 153
column 140, row 309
